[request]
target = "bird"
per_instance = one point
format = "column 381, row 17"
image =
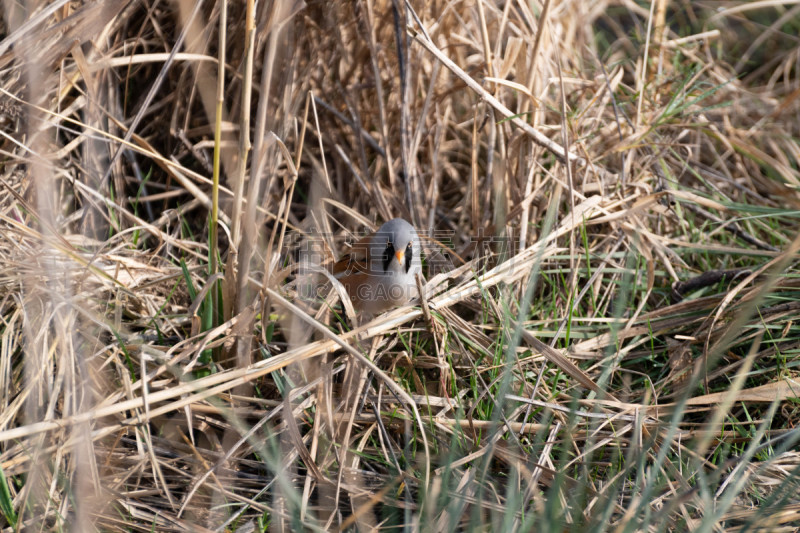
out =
column 379, row 271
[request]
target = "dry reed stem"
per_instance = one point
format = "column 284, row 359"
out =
column 606, row 334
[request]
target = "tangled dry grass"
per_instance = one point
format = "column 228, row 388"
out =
column 606, row 338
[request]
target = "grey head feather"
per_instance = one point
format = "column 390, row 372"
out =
column 394, row 235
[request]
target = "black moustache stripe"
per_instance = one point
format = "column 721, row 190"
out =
column 387, row 258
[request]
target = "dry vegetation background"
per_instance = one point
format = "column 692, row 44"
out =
column 607, row 339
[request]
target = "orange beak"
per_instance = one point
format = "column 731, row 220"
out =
column 400, row 255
